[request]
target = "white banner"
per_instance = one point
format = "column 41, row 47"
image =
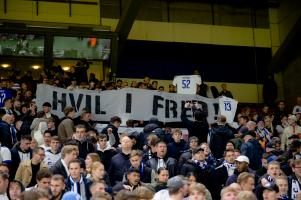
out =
column 128, row 103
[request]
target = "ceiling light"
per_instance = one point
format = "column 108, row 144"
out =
column 5, row 65
column 66, row 68
column 36, row 67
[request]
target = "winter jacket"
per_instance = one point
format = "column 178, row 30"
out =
column 171, row 165
column 175, row 150
column 199, row 129
column 220, row 135
column 15, row 157
column 87, row 182
column 120, row 163
column 24, row 172
column 105, row 156
column 252, row 149
column 65, row 130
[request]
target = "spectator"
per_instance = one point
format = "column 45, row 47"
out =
column 282, row 184
column 197, row 192
column 153, row 127
column 162, row 160
column 178, row 146
column 291, row 129
column 221, row 133
column 193, row 144
column 5, row 155
column 161, row 179
column 225, row 92
column 69, row 152
column 132, row 181
column 76, row 182
column 112, row 128
column 15, row 189
column 84, row 145
column 120, row 163
column 66, row 127
column 27, row 170
column 104, row 151
column 199, row 127
column 47, row 140
column 147, row 175
column 3, row 186
column 252, row 149
column 46, row 113
column 57, row 186
column 200, row 167
column 246, row 181
column 21, row 152
column 8, row 107
column 8, row 135
column 90, row 159
column 35, row 194
column 229, row 193
column 84, row 119
column 242, row 165
column 53, row 154
column 43, row 180
column 294, row 180
column 97, row 187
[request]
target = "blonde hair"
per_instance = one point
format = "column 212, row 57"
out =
column 246, row 195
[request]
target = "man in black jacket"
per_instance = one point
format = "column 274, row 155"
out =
column 21, row 152
column 178, row 146
column 147, row 175
column 221, row 133
column 162, row 160
column 132, row 181
column 105, row 151
column 120, row 163
column 199, row 127
column 69, row 152
column 8, row 136
column 113, row 128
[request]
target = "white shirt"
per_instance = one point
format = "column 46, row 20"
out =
column 228, row 108
column 5, row 155
column 187, row 84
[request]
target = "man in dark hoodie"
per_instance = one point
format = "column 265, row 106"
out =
column 221, row 133
column 113, row 128
column 21, row 152
column 252, row 149
column 152, row 127
column 199, row 127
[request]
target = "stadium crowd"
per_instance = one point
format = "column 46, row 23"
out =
column 45, row 157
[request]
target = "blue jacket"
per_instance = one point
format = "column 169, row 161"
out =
column 252, row 149
column 87, row 183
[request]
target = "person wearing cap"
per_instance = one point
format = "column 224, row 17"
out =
column 267, row 192
column 153, row 127
column 177, row 189
column 252, row 149
column 46, row 113
column 132, row 181
column 201, row 168
column 242, row 165
column 292, row 129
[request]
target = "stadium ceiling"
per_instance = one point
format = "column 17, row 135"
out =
column 236, row 3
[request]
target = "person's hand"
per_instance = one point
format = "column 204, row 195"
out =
column 187, row 105
column 127, row 187
column 110, row 130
